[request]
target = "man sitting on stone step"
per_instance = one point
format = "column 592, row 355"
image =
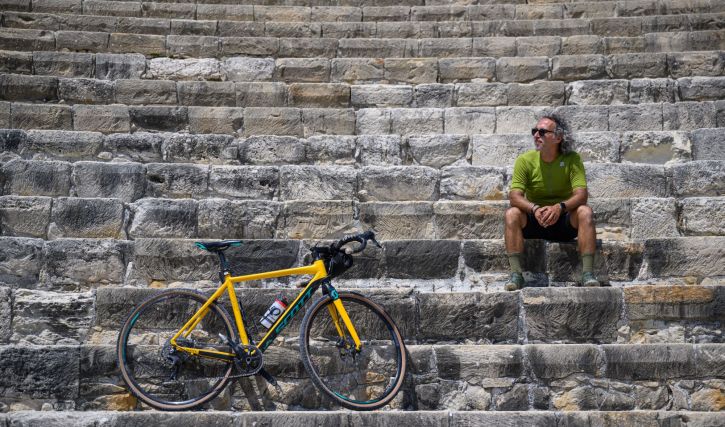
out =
column 548, row 197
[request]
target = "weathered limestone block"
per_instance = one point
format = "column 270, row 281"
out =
column 555, row 362
column 317, row 183
column 689, row 115
column 689, row 256
column 496, row 47
column 144, row 92
column 710, row 362
column 111, row 9
column 489, row 255
column 517, row 120
column 598, row 146
column 479, row 364
column 316, row 121
column 398, row 183
column 381, row 95
column 330, row 149
column 469, row 220
column 377, row 48
column 623, row 180
column 249, row 219
column 86, row 91
column 436, row 150
column 685, row 64
column 435, row 419
column 19, row 62
column 174, row 259
column 272, row 150
column 612, row 261
column 654, row 147
column 176, row 180
column 157, row 26
column 340, row 30
column 24, row 40
column 54, row 373
column 41, row 116
column 101, row 118
column 84, row 262
column 216, row 120
column 313, row 220
column 17, row 87
column 378, row 150
column 35, row 178
column 635, row 117
column 212, row 149
column 261, row 94
column 407, row 121
column 498, row 150
column 190, row 27
column 51, row 318
column 65, row 64
column 708, row 144
column 77, row 217
column 373, row 121
column 314, row 47
column 576, row 315
column 644, row 362
column 163, row 218
column 651, row 90
column 212, row 94
column 244, row 182
column 444, row 47
column 5, row 312
column 185, row 69
column 310, row 70
column 272, row 121
column 421, row 259
column 434, row 95
column 163, row 119
column 232, row 12
column 321, row 95
column 598, row 92
column 13, row 140
column 673, row 302
column 653, row 218
column 469, row 120
column 702, row 216
column 357, row 70
column 522, row 69
column 399, row 220
column 119, row 66
column 21, row 260
column 472, row 183
column 585, row 118
column 538, row 46
column 452, row 70
column 699, row 178
column 140, row 146
column 634, row 65
column 469, row 316
column 582, row 45
column 5, row 114
column 147, row 44
column 411, row 70
column 24, row 216
column 124, row 181
column 65, row 144
column 536, row 93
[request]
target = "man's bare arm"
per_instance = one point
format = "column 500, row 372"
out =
column 518, row 200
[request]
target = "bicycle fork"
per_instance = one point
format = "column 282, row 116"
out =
column 341, row 319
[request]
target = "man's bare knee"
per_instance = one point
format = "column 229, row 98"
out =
column 514, row 217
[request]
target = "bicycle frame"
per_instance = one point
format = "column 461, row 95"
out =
column 319, row 272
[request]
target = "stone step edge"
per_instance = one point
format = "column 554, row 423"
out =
column 158, row 45
column 498, row 27
column 391, row 73
column 553, row 93
column 345, row 417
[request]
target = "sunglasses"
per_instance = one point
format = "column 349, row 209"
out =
column 542, row 132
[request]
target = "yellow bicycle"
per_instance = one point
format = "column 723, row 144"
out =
column 178, row 349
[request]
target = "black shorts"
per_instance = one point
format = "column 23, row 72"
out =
column 561, row 231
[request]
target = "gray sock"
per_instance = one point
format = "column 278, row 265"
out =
column 515, row 262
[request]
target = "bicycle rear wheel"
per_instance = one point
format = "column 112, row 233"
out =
column 364, row 380
column 159, row 375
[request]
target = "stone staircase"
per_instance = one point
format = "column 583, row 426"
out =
column 129, row 130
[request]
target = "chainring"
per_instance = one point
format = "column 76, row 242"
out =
column 250, row 362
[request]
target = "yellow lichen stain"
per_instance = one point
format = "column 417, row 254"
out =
column 157, row 284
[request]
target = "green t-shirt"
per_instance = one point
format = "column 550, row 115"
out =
column 548, row 183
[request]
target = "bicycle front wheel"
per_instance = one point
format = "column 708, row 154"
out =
column 154, row 371
column 363, row 380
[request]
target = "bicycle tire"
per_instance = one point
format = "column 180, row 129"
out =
column 333, row 369
column 142, row 351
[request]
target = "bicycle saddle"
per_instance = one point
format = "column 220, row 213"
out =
column 218, row 246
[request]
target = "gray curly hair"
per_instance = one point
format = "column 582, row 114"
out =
column 564, row 131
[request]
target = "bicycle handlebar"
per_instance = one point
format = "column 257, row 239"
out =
column 361, row 238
